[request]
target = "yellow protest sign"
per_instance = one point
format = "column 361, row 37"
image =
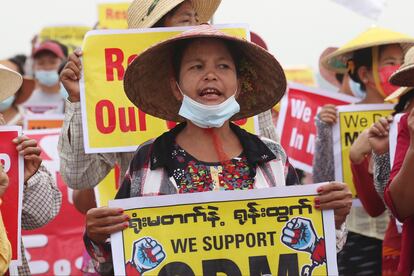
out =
column 106, row 189
column 111, row 122
column 273, row 231
column 113, row 15
column 300, row 74
column 352, row 120
column 71, row 36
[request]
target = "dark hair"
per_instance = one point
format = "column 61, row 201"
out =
column 19, row 61
column 181, row 46
column 339, row 77
column 361, row 58
column 161, row 22
column 402, row 102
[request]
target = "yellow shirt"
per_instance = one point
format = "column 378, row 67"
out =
column 5, row 249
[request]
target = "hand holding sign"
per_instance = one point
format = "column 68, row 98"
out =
column 31, row 154
column 328, row 114
column 147, row 254
column 378, row 135
column 71, row 75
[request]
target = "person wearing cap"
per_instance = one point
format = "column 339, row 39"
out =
column 49, row 96
column 84, row 171
column 11, row 109
column 41, row 197
column 204, row 79
column 399, row 193
column 369, row 60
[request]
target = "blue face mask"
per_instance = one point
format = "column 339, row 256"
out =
column 208, row 116
column 47, row 78
column 63, row 92
column 356, row 89
column 7, row 103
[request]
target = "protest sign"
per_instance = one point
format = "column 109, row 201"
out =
column 71, row 36
column 11, row 208
column 106, row 189
column 296, row 125
column 43, row 121
column 57, row 247
column 113, row 15
column 251, row 232
column 300, row 74
column 111, row 123
column 352, row 120
column 393, row 136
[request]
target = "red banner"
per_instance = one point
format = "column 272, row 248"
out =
column 56, row 248
column 12, row 199
column 296, row 123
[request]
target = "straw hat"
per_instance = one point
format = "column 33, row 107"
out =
column 27, row 87
column 10, row 81
column 328, row 75
column 145, row 13
column 404, row 76
column 398, row 93
column 337, row 61
column 147, row 78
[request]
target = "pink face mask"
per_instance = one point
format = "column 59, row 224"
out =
column 385, row 73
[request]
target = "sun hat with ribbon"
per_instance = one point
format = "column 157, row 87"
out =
column 337, row 61
column 147, row 78
column 10, row 81
column 405, row 75
column 145, row 13
column 27, row 87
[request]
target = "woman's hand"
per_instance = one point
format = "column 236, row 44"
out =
column 328, row 114
column 336, row 196
column 360, row 148
column 378, row 135
column 71, row 75
column 104, row 221
column 31, row 154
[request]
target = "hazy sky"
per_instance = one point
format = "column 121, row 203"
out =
column 296, row 31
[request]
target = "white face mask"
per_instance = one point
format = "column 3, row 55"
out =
column 208, row 116
column 356, row 89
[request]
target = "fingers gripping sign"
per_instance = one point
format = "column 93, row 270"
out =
column 147, row 254
column 300, row 235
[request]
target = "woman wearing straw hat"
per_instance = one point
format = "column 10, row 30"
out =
column 369, row 60
column 399, row 193
column 11, row 108
column 204, row 78
column 84, row 171
column 41, row 198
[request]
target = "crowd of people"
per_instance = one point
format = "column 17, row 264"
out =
column 199, row 79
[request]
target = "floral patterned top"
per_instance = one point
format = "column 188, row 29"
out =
column 192, row 175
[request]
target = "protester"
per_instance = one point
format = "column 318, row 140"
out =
column 11, row 108
column 49, row 96
column 83, row 171
column 206, row 89
column 41, row 197
column 399, row 193
column 369, row 60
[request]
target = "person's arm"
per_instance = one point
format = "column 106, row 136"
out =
column 41, row 200
column 323, row 158
column 84, row 200
column 5, row 249
column 399, row 194
column 78, row 169
column 266, row 127
column 382, row 170
column 364, row 185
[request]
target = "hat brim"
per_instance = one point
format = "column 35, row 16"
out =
column 337, row 61
column 10, row 82
column 328, row 75
column 147, row 79
column 398, row 93
column 25, row 90
column 204, row 9
column 403, row 76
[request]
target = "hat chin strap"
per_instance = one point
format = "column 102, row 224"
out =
column 375, row 67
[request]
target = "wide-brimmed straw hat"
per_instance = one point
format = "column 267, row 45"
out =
column 375, row 36
column 398, row 93
column 404, row 76
column 145, row 13
column 147, row 79
column 27, row 87
column 10, row 81
column 328, row 75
